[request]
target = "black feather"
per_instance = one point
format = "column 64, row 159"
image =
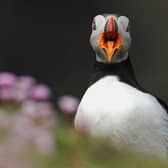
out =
column 124, row 72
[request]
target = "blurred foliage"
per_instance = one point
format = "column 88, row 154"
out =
column 76, row 150
column 10, row 108
column 34, row 134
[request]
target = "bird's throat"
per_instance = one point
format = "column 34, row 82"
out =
column 110, row 42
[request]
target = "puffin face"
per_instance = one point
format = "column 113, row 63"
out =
column 110, row 38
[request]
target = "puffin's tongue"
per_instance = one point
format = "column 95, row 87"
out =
column 109, row 50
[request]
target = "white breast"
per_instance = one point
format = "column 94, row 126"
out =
column 125, row 115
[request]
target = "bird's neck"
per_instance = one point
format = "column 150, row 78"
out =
column 123, row 71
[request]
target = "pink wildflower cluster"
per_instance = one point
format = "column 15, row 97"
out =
column 19, row 89
column 32, row 123
column 33, row 127
column 68, row 104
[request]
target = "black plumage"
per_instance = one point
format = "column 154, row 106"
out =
column 124, row 71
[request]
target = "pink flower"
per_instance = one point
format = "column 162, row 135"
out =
column 22, row 127
column 7, row 79
column 45, row 141
column 26, row 81
column 6, row 94
column 29, row 109
column 40, row 92
column 43, row 112
column 68, row 104
column 22, row 88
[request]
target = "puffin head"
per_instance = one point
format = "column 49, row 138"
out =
column 110, row 38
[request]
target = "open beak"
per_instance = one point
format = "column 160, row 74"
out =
column 110, row 39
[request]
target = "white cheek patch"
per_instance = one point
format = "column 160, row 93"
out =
column 100, row 22
column 123, row 21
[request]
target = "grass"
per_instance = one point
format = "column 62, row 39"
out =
column 75, row 150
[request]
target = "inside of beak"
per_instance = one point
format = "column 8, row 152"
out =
column 110, row 41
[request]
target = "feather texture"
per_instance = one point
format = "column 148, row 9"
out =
column 127, row 116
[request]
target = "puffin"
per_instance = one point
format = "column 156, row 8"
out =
column 115, row 107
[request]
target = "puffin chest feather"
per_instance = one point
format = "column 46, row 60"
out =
column 109, row 97
column 115, row 110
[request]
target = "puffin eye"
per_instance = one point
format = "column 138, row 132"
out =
column 93, row 25
column 128, row 28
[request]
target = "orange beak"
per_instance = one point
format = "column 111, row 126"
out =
column 110, row 40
